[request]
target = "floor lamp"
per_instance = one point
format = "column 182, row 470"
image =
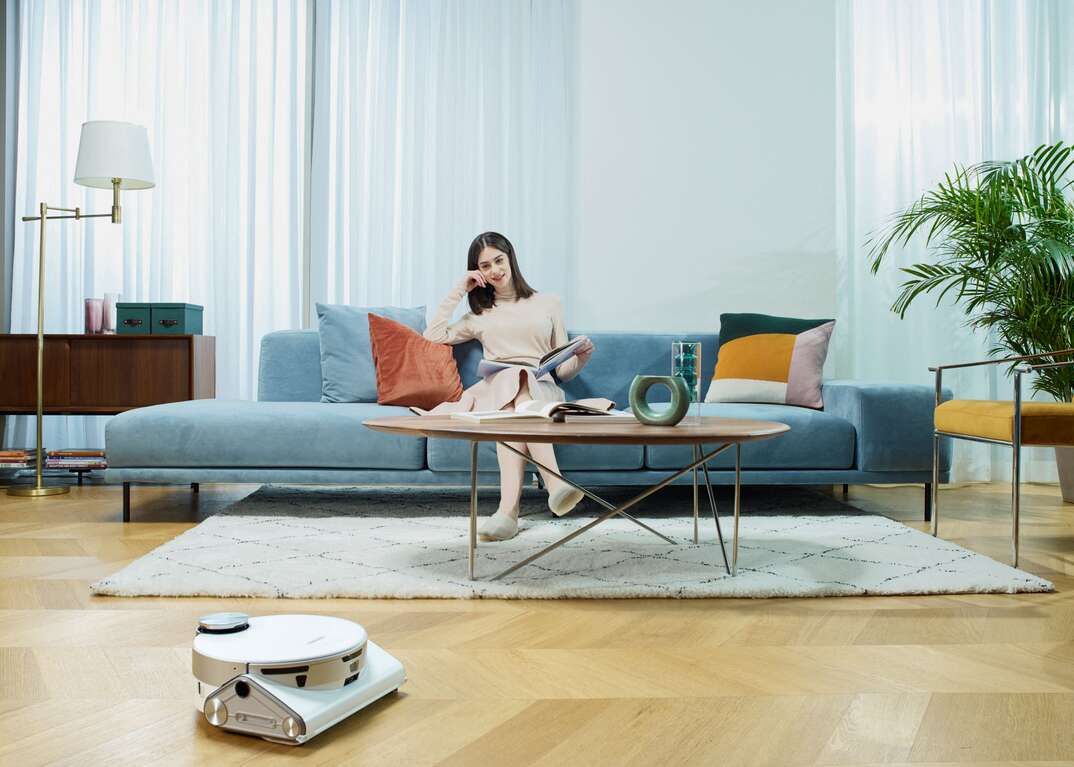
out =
column 111, row 155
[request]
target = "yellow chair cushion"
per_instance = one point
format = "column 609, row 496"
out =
column 1043, row 423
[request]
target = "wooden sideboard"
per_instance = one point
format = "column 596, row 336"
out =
column 106, row 374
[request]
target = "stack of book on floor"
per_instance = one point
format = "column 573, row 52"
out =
column 16, row 458
column 76, row 459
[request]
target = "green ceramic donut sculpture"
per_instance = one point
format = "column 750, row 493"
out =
column 680, row 400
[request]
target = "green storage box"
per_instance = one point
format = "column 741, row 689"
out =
column 159, row 319
column 132, row 318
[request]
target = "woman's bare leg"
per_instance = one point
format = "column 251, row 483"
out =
column 512, row 473
column 503, row 523
column 545, row 453
column 513, row 465
column 542, row 451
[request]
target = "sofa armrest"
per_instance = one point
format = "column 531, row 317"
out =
column 893, row 423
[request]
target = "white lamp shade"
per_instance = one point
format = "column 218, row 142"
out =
column 109, row 149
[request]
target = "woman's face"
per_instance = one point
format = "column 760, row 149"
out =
column 496, row 267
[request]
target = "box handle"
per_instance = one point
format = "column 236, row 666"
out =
column 169, row 323
column 132, row 323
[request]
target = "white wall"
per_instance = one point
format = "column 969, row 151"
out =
column 705, row 162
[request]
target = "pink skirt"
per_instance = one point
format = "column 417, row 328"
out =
column 497, row 392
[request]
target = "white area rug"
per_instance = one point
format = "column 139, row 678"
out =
column 362, row 542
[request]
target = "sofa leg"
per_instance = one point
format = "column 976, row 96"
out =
column 195, row 487
column 928, row 501
column 126, row 501
column 846, row 491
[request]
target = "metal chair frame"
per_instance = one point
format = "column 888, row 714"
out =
column 1015, row 443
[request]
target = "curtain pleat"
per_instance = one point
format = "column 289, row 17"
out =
column 220, row 87
column 431, row 122
column 9, row 79
column 435, row 122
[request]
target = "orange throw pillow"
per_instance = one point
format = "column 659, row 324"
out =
column 411, row 371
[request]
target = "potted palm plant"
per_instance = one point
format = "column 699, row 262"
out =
column 1002, row 237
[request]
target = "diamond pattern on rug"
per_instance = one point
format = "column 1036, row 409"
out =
column 363, row 542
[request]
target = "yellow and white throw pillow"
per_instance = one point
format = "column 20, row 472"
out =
column 770, row 359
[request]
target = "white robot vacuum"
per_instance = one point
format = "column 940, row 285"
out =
column 287, row 678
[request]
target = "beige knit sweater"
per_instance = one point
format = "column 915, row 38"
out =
column 514, row 331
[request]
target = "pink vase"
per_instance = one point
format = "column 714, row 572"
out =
column 94, row 316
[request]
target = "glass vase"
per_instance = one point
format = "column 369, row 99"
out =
column 94, row 316
column 108, row 313
column 686, row 364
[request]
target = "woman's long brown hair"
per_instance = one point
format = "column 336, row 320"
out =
column 485, row 298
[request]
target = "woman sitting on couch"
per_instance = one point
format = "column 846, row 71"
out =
column 515, row 325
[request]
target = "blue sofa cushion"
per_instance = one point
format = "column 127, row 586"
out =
column 347, row 370
column 231, row 433
column 454, row 455
column 817, row 440
column 290, row 367
column 467, row 355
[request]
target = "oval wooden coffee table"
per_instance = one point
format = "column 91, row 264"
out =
column 695, row 431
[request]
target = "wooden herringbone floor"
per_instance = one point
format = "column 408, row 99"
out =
column 947, row 679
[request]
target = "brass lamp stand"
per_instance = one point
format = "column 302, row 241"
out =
column 39, row 488
column 110, row 154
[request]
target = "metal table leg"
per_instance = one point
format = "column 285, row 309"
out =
column 473, row 506
column 694, row 456
column 612, row 510
column 590, row 494
column 738, row 506
column 715, row 513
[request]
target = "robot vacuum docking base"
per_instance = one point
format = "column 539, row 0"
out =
column 287, row 678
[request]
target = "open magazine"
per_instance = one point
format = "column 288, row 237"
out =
column 548, row 411
column 546, row 365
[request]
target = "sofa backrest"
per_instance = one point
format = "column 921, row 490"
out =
column 290, row 369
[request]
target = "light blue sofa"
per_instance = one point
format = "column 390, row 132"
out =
column 867, row 432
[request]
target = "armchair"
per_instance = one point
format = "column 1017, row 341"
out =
column 1040, row 424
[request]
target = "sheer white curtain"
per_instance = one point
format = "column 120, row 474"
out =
column 924, row 85
column 433, row 122
column 221, row 88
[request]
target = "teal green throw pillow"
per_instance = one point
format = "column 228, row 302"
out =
column 347, row 370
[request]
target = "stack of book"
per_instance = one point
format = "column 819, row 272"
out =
column 76, row 459
column 15, row 458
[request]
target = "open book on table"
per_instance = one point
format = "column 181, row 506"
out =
column 546, row 365
column 536, row 410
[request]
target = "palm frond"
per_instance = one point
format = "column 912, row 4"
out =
column 1002, row 238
